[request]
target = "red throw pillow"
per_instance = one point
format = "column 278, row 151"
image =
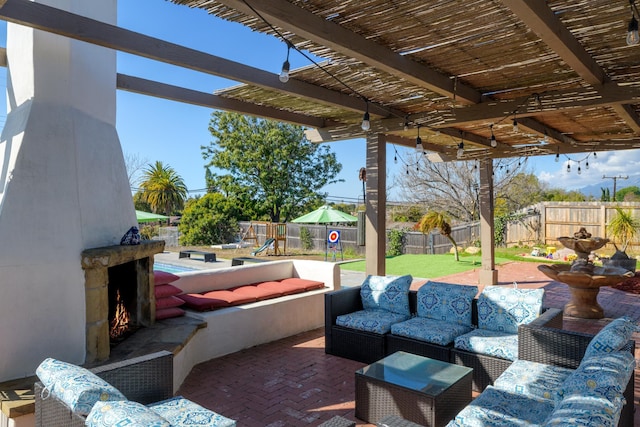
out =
column 167, row 290
column 162, row 277
column 168, row 302
column 166, row 313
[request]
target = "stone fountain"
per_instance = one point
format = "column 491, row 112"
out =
column 583, row 277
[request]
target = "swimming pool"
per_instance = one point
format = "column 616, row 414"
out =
column 170, row 268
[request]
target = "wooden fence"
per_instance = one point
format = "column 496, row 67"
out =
column 540, row 224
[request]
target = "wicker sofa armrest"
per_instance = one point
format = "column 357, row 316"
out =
column 336, row 303
column 145, row 379
column 550, row 318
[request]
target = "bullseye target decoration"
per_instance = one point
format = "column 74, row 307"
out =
column 333, row 236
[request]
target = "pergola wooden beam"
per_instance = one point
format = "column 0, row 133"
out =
column 541, row 20
column 281, row 13
column 56, row 21
column 189, row 96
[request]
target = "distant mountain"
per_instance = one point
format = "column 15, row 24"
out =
column 595, row 190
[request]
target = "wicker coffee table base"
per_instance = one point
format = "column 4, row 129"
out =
column 377, row 399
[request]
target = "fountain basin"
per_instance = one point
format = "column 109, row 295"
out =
column 584, row 286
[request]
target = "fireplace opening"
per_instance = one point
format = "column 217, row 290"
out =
column 123, row 302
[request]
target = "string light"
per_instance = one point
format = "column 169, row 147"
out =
column 516, row 129
column 419, row 147
column 366, row 124
column 633, row 38
column 586, row 165
column 579, row 170
column 460, row 151
column 492, row 140
column 284, row 74
column 568, row 167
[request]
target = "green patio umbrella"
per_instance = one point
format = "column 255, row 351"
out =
column 325, row 215
column 142, row 216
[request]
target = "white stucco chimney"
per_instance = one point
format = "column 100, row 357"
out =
column 63, row 187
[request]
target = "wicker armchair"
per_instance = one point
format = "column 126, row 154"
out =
column 144, row 379
column 552, row 346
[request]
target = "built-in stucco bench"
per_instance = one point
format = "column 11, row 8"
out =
column 232, row 328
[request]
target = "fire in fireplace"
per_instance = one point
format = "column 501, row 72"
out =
column 119, row 325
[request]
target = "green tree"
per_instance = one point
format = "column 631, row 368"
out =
column 605, row 195
column 209, row 220
column 163, row 189
column 628, row 194
column 433, row 220
column 270, row 163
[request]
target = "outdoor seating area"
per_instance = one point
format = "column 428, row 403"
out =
column 441, row 321
column 293, row 379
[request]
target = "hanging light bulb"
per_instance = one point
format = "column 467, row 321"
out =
column 492, row 140
column 406, row 125
column 595, row 155
column 568, row 167
column 284, row 73
column 557, row 157
column 586, row 165
column 366, row 124
column 395, row 159
column 579, row 170
column 545, row 138
column 460, row 151
column 633, row 38
column 419, row 142
column 516, row 129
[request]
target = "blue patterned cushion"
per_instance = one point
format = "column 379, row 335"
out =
column 503, row 309
column 124, row 413
column 495, row 407
column 605, row 375
column 532, row 378
column 389, row 293
column 491, row 343
column 181, row 412
column 612, row 337
column 586, row 411
column 378, row 321
column 76, row 386
column 429, row 330
column 446, row 301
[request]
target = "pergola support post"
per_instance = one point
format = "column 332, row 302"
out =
column 376, row 201
column 488, row 275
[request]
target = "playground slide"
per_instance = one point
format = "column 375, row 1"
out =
column 267, row 243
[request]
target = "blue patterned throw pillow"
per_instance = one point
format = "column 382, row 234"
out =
column 504, row 308
column 612, row 337
column 389, row 293
column 124, row 413
column 446, row 301
column 605, row 375
column 76, row 386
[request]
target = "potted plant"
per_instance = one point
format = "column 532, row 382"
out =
column 623, row 228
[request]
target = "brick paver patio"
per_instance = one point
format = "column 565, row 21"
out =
column 292, row 382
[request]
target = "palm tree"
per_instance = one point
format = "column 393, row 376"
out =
column 437, row 220
column 624, row 227
column 163, row 189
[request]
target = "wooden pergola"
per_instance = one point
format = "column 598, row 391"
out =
column 457, row 71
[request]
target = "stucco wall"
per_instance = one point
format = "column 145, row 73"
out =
column 63, row 188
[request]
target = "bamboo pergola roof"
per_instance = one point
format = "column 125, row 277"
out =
column 457, row 70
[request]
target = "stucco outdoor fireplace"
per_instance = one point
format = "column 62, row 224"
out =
column 126, row 271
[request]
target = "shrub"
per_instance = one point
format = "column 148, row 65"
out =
column 306, row 241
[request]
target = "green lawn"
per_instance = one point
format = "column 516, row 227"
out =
column 425, row 266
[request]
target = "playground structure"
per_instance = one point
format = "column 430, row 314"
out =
column 275, row 240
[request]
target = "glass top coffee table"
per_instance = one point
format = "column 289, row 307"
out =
column 426, row 391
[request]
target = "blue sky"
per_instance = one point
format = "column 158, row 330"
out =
column 172, row 132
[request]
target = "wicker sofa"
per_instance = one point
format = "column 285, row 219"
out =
column 562, row 378
column 368, row 347
column 71, row 395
